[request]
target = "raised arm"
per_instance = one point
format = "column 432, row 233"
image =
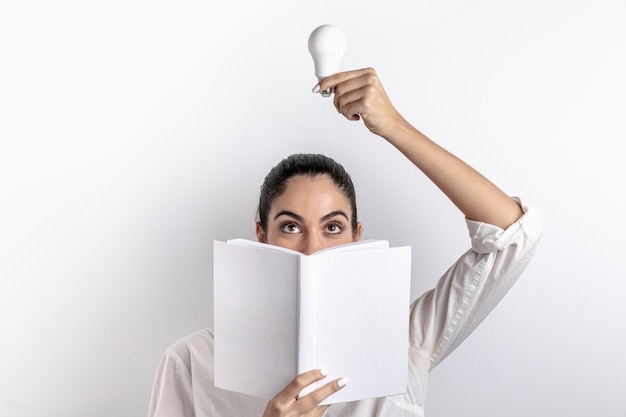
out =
column 360, row 94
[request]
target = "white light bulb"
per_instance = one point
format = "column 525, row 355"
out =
column 327, row 45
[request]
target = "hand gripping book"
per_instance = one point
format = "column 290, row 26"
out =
column 279, row 313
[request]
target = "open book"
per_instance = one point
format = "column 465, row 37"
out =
column 279, row 313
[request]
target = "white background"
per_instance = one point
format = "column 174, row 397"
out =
column 133, row 133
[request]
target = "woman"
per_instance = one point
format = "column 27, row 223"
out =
column 307, row 204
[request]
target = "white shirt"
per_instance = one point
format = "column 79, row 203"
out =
column 440, row 320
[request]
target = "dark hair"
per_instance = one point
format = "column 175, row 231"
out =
column 304, row 164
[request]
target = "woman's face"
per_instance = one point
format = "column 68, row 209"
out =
column 310, row 215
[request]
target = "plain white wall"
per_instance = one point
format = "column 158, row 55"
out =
column 133, row 133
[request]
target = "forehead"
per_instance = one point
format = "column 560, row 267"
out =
column 311, row 193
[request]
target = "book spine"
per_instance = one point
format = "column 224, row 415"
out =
column 307, row 318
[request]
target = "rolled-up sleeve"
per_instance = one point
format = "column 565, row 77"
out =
column 444, row 316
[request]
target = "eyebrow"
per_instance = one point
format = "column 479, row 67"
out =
column 333, row 214
column 300, row 218
column 288, row 213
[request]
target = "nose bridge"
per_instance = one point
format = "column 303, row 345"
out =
column 312, row 243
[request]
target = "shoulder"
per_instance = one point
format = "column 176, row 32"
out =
column 196, row 347
column 199, row 339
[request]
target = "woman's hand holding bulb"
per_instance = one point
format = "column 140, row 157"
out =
column 359, row 94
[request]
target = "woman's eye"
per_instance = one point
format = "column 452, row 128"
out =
column 290, row 228
column 334, row 228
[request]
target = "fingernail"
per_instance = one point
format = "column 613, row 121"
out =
column 324, row 372
column 316, row 89
column 342, row 382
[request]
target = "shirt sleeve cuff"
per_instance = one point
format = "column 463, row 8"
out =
column 488, row 238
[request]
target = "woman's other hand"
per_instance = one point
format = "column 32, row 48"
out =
column 288, row 403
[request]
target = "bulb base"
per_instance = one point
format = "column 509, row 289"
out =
column 328, row 92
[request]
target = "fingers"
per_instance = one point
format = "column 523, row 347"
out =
column 349, row 96
column 356, row 92
column 287, row 402
column 341, row 77
column 312, row 399
column 293, row 389
column 359, row 95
